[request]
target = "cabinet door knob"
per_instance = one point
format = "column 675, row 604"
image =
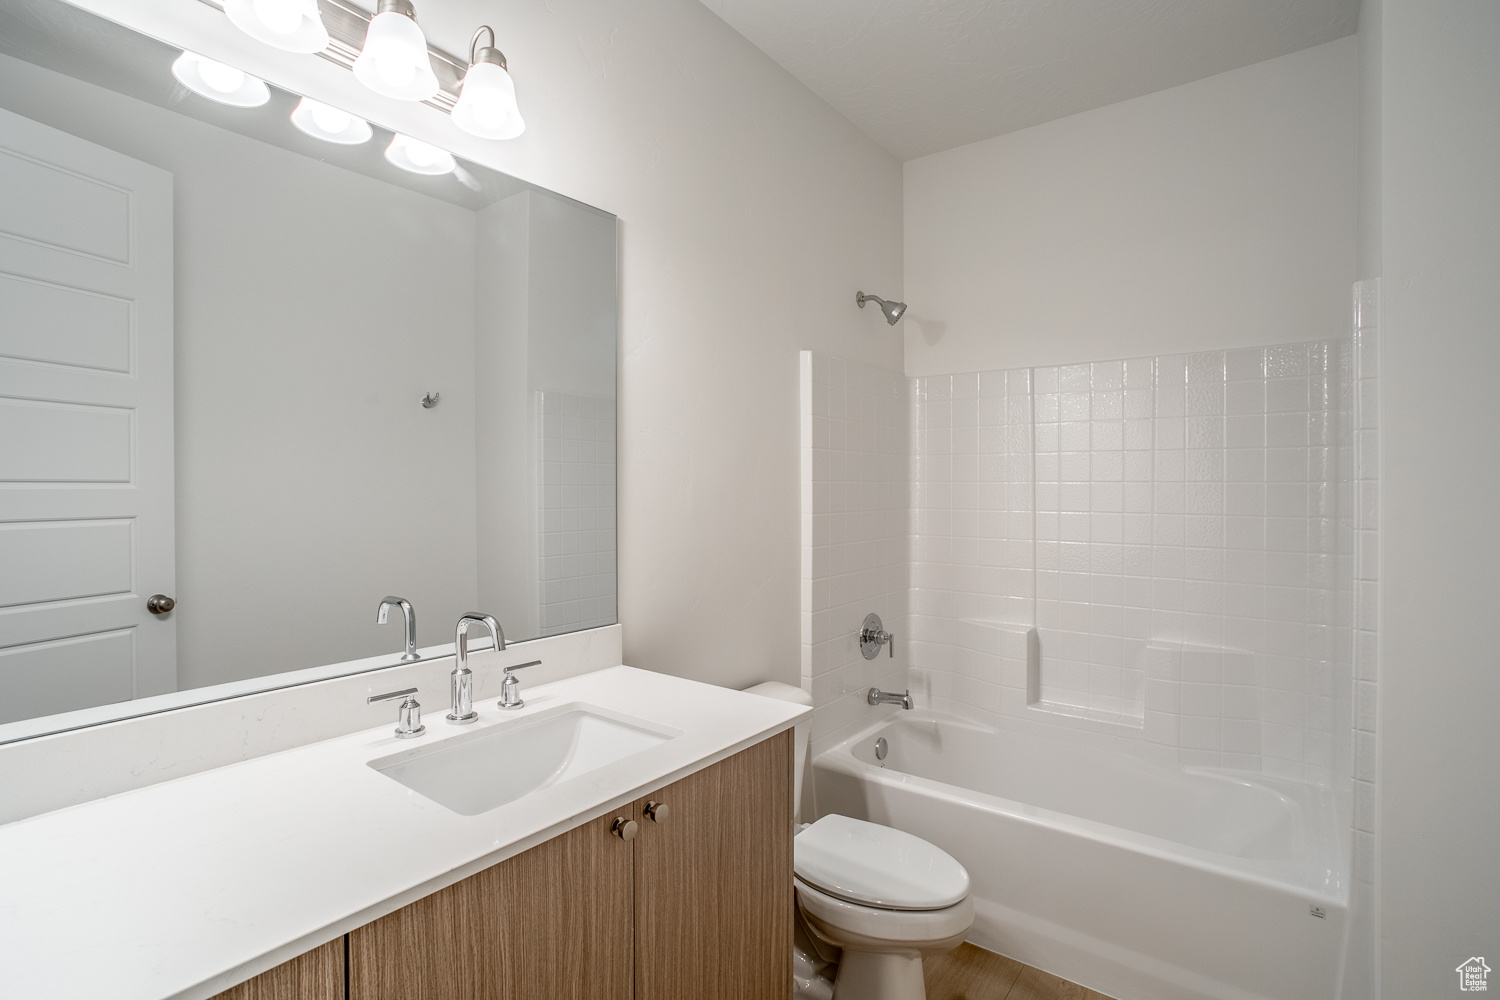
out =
column 658, row 811
column 624, row 828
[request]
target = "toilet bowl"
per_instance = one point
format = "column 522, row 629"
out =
column 881, row 895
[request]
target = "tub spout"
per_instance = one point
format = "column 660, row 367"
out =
column 879, row 697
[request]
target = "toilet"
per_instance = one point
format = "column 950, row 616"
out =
column 881, row 895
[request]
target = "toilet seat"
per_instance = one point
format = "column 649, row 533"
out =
column 877, row 866
column 870, row 928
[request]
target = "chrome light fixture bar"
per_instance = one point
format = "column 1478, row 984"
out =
column 347, row 26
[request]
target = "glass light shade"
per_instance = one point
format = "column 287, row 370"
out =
column 419, row 157
column 394, row 60
column 322, row 121
column 487, row 103
column 219, row 82
column 292, row 25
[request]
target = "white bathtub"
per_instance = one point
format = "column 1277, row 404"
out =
column 1141, row 881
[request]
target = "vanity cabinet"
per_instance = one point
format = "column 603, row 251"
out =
column 554, row 921
column 314, row 975
column 713, row 881
column 698, row 904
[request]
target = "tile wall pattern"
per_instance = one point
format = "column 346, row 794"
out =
column 1182, row 550
column 1361, row 646
column 576, row 510
column 855, row 535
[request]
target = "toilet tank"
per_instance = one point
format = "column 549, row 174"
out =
column 786, row 692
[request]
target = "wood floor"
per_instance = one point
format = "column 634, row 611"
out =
column 970, row 973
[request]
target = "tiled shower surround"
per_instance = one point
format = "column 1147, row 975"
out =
column 576, row 507
column 1167, row 525
column 1145, row 551
column 1171, row 556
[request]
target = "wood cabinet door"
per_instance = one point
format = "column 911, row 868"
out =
column 713, row 882
column 314, row 975
column 552, row 923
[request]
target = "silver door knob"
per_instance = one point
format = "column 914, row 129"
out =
column 160, row 604
column 658, row 811
column 624, row 828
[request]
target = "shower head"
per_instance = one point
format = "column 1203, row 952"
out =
column 891, row 310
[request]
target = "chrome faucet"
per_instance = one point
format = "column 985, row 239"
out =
column 872, row 635
column 411, row 623
column 510, row 688
column 879, row 697
column 462, row 681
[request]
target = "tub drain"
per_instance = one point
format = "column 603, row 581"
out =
column 881, row 748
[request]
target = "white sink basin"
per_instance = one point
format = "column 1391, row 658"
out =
column 478, row 772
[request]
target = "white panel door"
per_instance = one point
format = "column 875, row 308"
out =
column 86, row 529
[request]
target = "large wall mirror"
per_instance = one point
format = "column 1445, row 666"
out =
column 275, row 379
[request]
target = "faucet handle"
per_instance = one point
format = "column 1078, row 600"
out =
column 409, row 712
column 510, row 687
column 872, row 635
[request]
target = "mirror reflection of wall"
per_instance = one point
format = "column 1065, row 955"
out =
column 314, row 300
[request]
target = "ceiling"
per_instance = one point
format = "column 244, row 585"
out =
column 921, row 76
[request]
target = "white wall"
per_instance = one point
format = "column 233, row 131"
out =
column 1440, row 332
column 750, row 213
column 1215, row 215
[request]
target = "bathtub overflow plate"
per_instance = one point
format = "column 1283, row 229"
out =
column 881, row 749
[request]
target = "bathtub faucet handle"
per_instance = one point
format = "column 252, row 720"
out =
column 872, row 635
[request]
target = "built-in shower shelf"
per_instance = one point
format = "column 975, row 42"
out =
column 1089, row 714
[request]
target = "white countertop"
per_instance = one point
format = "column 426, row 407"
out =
column 184, row 888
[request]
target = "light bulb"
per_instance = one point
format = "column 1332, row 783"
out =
column 394, row 69
column 331, row 119
column 330, row 124
column 291, row 25
column 224, row 79
column 487, row 103
column 394, row 61
column 219, row 82
column 281, row 16
column 419, row 157
column 422, row 154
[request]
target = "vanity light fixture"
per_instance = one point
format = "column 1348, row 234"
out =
column 219, row 82
column 487, row 98
column 419, row 157
column 394, row 60
column 322, row 121
column 290, row 25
